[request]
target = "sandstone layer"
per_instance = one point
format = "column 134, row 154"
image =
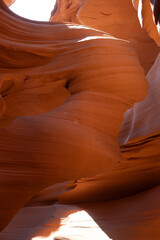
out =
column 115, row 17
column 64, row 90
column 132, row 218
column 148, row 14
column 9, row 2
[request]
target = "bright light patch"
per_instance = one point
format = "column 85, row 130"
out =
column 38, row 10
column 77, row 226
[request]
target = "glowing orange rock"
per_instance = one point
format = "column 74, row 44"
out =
column 65, row 88
column 9, row 2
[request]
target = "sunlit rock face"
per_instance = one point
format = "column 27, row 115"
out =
column 9, row 2
column 132, row 218
column 149, row 21
column 119, row 18
column 65, row 88
column 67, row 10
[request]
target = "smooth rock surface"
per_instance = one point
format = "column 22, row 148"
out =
column 64, row 90
column 119, row 18
column 148, row 14
column 143, row 119
column 9, row 2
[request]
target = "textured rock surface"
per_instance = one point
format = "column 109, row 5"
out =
column 65, row 88
column 146, row 8
column 143, row 118
column 132, row 218
column 116, row 17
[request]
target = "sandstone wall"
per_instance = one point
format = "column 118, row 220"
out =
column 64, row 90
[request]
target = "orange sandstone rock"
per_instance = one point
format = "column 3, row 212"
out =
column 148, row 14
column 9, row 2
column 70, row 68
column 65, row 88
column 115, row 17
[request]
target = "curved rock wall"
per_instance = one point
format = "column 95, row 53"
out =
column 148, row 14
column 64, row 90
column 69, row 64
column 118, row 18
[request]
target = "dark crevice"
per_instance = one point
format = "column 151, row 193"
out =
column 69, row 4
column 67, row 85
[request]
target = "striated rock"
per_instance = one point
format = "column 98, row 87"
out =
column 41, row 77
column 148, row 14
column 65, row 88
column 143, row 118
column 136, row 217
column 118, row 18
column 66, row 10
column 50, row 69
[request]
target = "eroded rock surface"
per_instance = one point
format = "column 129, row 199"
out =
column 64, row 90
column 118, row 18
